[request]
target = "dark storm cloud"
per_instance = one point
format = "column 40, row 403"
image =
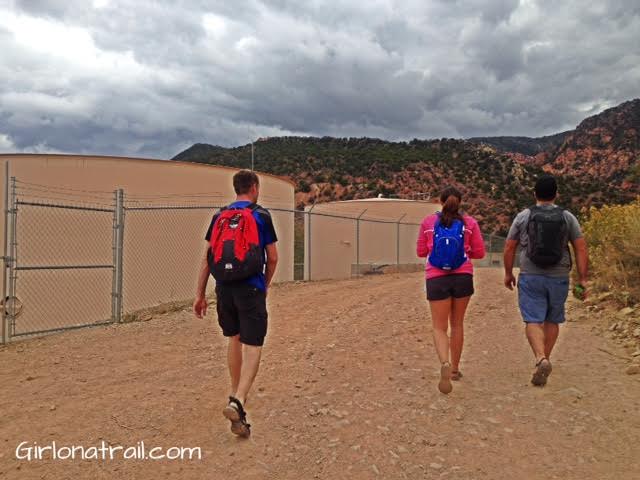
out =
column 150, row 78
column 52, row 8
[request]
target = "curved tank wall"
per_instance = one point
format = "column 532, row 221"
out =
column 162, row 247
column 387, row 233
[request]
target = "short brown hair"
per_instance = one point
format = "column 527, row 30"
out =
column 244, row 180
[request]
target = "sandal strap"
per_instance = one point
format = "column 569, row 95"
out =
column 239, row 406
column 541, row 360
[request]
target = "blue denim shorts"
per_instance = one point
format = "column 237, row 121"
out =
column 541, row 298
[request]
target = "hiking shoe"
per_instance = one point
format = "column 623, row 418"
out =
column 238, row 417
column 542, row 371
column 444, row 385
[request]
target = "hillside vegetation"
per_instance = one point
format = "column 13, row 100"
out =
column 613, row 235
column 495, row 185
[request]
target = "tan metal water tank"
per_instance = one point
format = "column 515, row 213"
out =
column 387, row 229
column 162, row 248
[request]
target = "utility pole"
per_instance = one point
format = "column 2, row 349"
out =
column 251, row 134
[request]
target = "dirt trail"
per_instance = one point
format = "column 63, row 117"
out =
column 347, row 390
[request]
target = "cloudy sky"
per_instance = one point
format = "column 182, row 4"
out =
column 149, row 78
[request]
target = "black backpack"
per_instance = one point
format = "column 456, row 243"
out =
column 548, row 234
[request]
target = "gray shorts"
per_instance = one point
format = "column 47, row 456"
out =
column 541, row 298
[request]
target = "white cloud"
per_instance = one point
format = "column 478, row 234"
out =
column 245, row 44
column 6, row 145
column 69, row 47
column 101, row 3
column 215, row 25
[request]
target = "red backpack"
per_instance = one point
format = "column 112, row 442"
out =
column 235, row 245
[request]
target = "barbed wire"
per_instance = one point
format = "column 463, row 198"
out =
column 23, row 196
column 21, row 191
column 57, row 187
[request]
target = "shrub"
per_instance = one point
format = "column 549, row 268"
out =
column 634, row 173
column 613, row 236
column 304, row 186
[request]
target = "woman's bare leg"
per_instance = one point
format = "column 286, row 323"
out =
column 440, row 312
column 458, row 311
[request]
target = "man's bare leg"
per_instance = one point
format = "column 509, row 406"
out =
column 234, row 359
column 551, row 331
column 250, row 365
column 244, row 361
column 535, row 335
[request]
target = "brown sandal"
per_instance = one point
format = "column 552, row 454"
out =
column 543, row 370
column 456, row 375
column 235, row 412
column 445, row 378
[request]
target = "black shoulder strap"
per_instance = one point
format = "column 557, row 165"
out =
column 537, row 207
column 263, row 211
column 253, row 207
column 532, row 210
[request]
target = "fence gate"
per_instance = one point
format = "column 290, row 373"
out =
column 63, row 260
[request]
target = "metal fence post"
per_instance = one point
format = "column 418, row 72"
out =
column 114, row 247
column 9, row 299
column 490, row 250
column 398, row 242
column 5, row 260
column 308, row 241
column 119, row 253
column 358, row 242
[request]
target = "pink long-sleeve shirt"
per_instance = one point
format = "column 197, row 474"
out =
column 473, row 246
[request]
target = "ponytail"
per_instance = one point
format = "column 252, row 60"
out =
column 450, row 198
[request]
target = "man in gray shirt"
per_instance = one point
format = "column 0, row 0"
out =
column 544, row 232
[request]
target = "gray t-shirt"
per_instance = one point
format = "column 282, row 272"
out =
column 518, row 231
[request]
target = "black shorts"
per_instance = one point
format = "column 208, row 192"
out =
column 242, row 310
column 456, row 286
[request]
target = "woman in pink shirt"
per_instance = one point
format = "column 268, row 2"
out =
column 449, row 273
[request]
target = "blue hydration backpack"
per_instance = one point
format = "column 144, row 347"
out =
column 448, row 245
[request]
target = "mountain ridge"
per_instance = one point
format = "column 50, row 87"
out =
column 495, row 177
column 525, row 145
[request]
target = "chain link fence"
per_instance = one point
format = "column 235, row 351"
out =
column 75, row 258
column 162, row 250
column 342, row 246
